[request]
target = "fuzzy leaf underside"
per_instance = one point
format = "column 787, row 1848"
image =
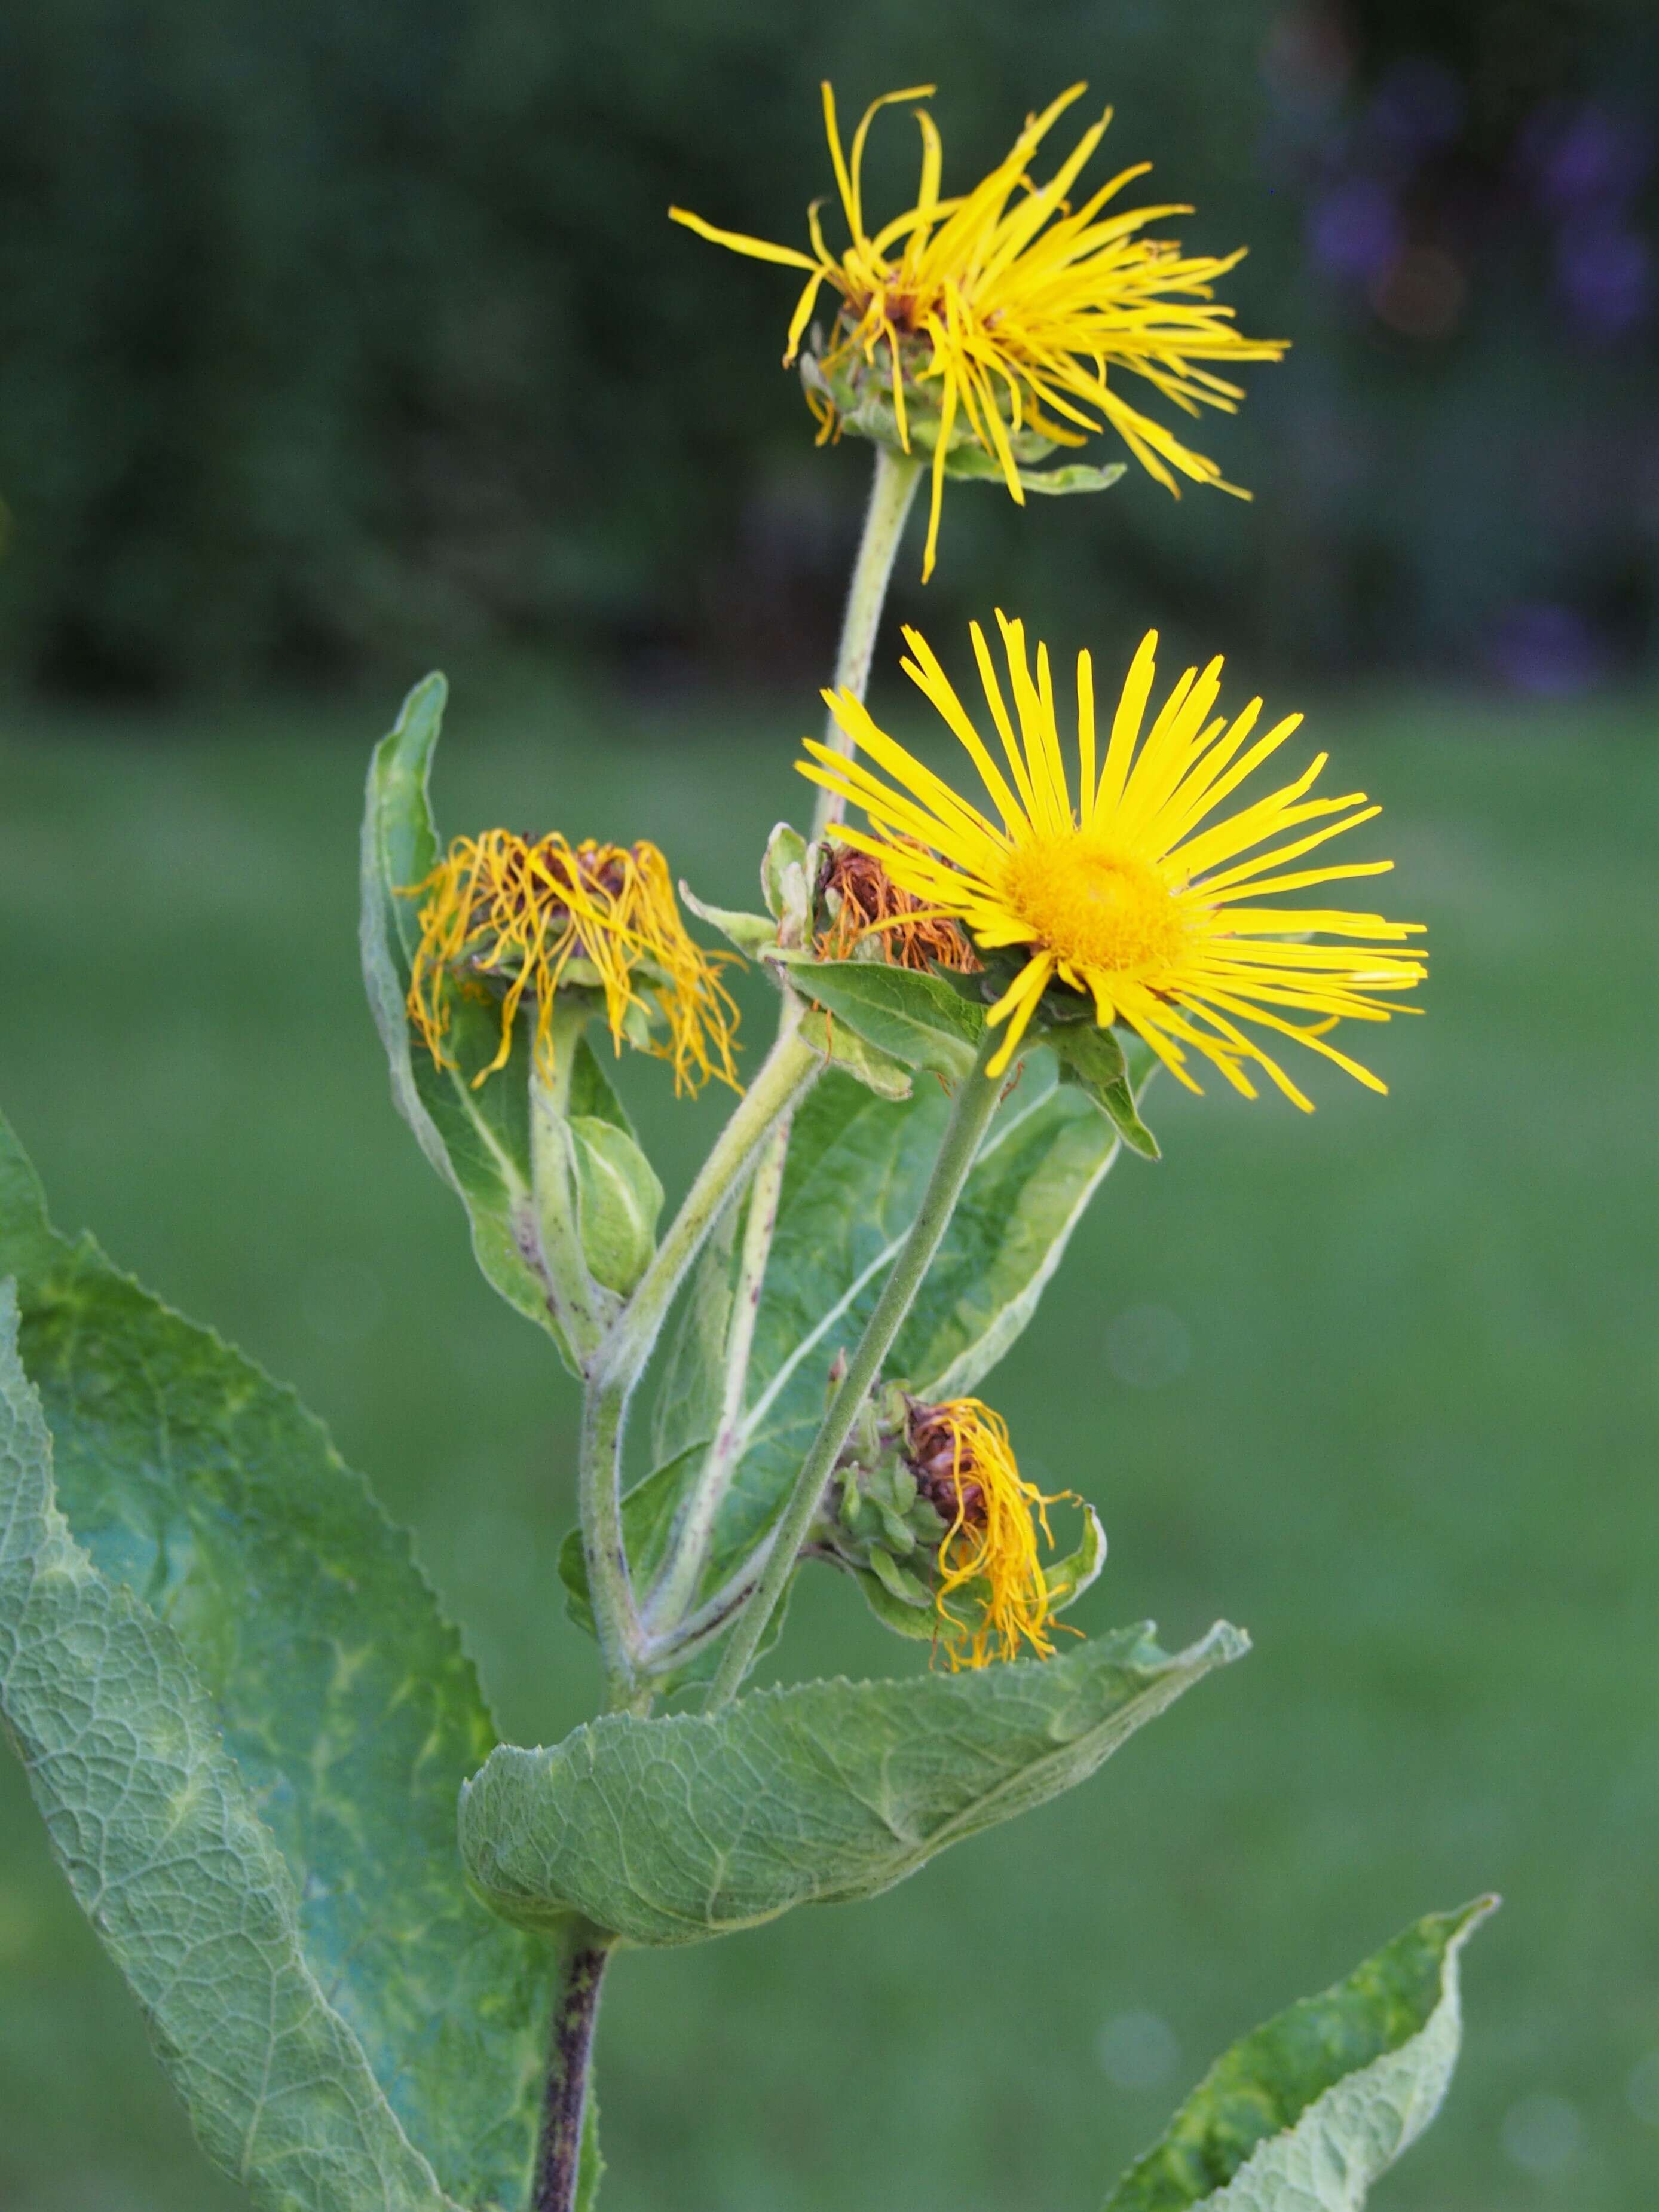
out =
column 348, row 1705
column 1308, row 2110
column 916, row 1019
column 674, row 1830
column 478, row 1139
column 156, row 1829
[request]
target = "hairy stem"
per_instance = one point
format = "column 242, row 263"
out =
column 974, row 1103
column 892, row 489
column 564, row 2104
column 678, row 1585
column 579, row 1303
column 616, row 1367
column 891, row 492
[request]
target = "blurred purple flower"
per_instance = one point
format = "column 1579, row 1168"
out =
column 1354, row 228
column 1605, row 277
column 1584, row 156
column 1547, row 650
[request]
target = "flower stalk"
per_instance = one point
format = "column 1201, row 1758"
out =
column 892, row 493
column 975, row 1102
column 615, row 1371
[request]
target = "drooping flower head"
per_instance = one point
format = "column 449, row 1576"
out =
column 511, row 916
column 1139, row 893
column 1011, row 308
column 993, row 1599
column 861, row 903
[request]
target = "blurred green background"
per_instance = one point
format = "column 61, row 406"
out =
column 335, row 341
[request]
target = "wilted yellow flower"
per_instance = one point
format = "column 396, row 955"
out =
column 870, row 904
column 1127, row 894
column 993, row 1597
column 526, row 915
column 1014, row 307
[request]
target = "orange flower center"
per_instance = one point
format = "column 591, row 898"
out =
column 1094, row 907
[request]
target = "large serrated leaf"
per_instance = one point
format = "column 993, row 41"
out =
column 674, row 1830
column 348, row 1704
column 155, row 1826
column 1308, row 2110
column 478, row 1141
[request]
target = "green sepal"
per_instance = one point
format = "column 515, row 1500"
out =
column 478, row 1139
column 1310, row 2109
column 619, row 1201
column 972, row 463
column 752, row 934
column 912, row 1018
column 674, row 1830
column 1092, row 1058
column 1067, row 1579
column 898, row 1582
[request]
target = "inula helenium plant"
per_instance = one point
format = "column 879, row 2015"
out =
column 369, row 1939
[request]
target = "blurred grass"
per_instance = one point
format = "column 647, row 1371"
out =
column 1382, row 1385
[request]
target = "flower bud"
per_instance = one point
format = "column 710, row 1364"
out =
column 928, row 1510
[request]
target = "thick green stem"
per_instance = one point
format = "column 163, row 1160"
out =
column 616, row 1367
column 565, row 2100
column 971, row 1116
column 891, row 492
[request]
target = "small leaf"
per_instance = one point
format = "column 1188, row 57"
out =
column 783, row 876
column 157, row 1832
column 1307, row 2111
column 674, row 1830
column 618, row 1199
column 972, row 463
column 1092, row 1058
column 752, row 933
column 478, row 1141
column 840, row 1043
column 912, row 1018
column 350, row 1709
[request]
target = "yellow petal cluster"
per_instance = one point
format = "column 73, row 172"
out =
column 1016, row 306
column 993, row 1599
column 1140, row 892
column 516, row 913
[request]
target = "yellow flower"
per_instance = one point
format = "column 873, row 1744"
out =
column 529, row 914
column 964, row 1466
column 1135, row 895
column 1013, row 308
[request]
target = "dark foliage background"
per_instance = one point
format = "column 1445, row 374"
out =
column 335, row 333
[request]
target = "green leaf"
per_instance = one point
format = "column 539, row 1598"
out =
column 972, row 463
column 752, row 934
column 840, row 1043
column 783, row 879
column 1092, row 1058
column 478, row 1141
column 156, row 1829
column 856, row 1170
column 1306, row 2113
column 347, row 1703
column 674, row 1830
column 618, row 1199
column 912, row 1018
